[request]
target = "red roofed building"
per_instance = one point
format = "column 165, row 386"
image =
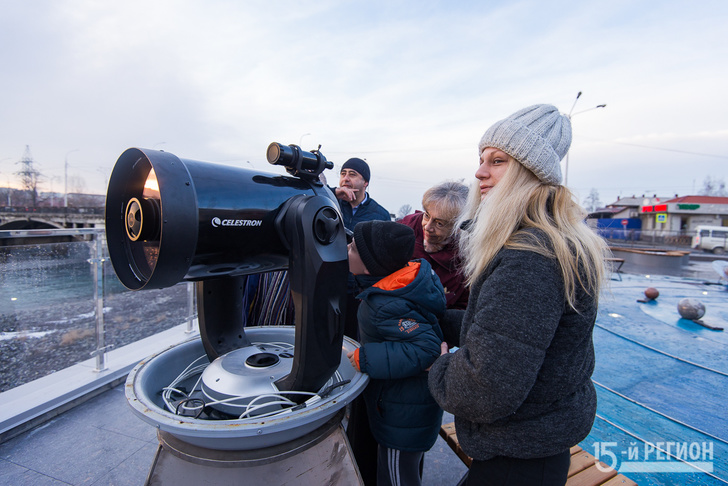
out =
column 684, row 214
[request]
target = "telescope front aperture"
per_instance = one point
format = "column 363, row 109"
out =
column 151, row 234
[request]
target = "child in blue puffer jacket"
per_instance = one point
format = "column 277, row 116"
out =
column 401, row 302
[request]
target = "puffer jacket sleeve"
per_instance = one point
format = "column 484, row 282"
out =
column 410, row 345
column 517, row 310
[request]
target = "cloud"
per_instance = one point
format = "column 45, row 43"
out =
column 411, row 86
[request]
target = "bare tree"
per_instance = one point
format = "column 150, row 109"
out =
column 713, row 187
column 77, row 184
column 592, row 202
column 404, row 211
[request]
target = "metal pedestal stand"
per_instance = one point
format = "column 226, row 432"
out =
column 320, row 457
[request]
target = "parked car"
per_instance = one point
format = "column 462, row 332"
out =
column 711, row 238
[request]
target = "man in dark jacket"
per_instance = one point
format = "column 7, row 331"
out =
column 356, row 207
column 354, row 201
column 400, row 335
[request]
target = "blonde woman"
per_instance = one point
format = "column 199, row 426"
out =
column 519, row 384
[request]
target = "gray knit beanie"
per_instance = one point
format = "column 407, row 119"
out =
column 538, row 137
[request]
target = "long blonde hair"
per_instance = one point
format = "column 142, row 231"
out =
column 521, row 201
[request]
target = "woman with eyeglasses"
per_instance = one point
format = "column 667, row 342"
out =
column 436, row 237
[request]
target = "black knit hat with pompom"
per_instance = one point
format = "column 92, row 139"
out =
column 384, row 246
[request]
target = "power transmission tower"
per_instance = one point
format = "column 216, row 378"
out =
column 29, row 176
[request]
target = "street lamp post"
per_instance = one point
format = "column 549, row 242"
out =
column 300, row 140
column 570, row 115
column 53, row 194
column 8, row 176
column 105, row 172
column 65, row 178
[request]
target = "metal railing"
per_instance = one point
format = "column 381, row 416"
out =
column 52, row 209
column 678, row 240
column 55, row 313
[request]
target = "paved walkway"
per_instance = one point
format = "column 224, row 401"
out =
column 101, row 442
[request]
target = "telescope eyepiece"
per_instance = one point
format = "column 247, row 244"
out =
column 298, row 162
column 275, row 153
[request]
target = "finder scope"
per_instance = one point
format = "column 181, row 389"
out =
column 298, row 162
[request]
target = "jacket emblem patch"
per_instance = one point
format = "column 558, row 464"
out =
column 408, row 325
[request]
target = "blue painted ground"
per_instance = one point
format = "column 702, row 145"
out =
column 662, row 383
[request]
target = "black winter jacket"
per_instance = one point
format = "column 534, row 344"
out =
column 367, row 211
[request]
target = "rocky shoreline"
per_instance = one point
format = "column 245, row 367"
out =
column 38, row 342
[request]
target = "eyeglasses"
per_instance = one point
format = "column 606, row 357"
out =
column 439, row 224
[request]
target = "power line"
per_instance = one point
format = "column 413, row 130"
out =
column 656, row 148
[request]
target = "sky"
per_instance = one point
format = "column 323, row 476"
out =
column 410, row 86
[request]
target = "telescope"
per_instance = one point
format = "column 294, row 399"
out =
column 265, row 399
column 170, row 219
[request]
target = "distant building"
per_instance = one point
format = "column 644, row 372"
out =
column 685, row 213
column 626, row 207
column 630, row 217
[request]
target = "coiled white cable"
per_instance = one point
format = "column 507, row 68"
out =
column 252, row 402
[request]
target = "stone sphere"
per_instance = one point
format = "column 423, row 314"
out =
column 691, row 309
column 651, row 293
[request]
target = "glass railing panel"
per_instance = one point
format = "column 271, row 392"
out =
column 46, row 309
column 50, row 294
column 133, row 315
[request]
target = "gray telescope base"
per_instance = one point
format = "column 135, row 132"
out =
column 322, row 456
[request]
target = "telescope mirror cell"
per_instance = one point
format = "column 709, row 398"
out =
column 142, row 220
column 134, row 219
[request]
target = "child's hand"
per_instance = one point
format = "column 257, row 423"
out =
column 443, row 350
column 353, row 359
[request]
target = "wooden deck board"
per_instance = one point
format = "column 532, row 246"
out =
column 582, row 471
column 447, row 432
column 620, row 480
column 580, row 460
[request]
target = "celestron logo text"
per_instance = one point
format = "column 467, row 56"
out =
column 217, row 222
